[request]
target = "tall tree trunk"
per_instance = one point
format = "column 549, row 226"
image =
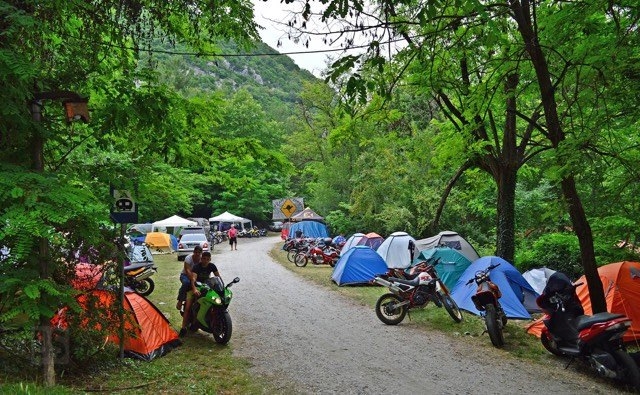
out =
column 521, row 13
column 48, row 362
column 505, row 237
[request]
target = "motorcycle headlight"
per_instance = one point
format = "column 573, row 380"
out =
column 217, row 301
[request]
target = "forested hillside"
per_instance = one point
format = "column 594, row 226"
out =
column 273, row 80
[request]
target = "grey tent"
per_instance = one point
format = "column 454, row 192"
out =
column 449, row 239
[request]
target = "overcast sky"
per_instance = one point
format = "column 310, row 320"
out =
column 265, row 11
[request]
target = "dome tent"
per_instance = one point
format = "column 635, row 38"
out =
column 518, row 297
column 359, row 265
column 538, row 277
column 451, row 266
column 449, row 239
column 397, row 250
column 352, row 241
column 371, row 239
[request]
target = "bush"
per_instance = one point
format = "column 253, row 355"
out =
column 557, row 251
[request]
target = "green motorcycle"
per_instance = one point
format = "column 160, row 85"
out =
column 209, row 311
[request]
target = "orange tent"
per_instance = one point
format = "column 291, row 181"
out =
column 621, row 284
column 148, row 333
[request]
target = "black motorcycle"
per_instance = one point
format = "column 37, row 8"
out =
column 595, row 339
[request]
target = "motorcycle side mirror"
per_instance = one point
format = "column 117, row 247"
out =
column 236, row 280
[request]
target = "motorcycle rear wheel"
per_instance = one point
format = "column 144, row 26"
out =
column 388, row 312
column 221, row 327
column 550, row 345
column 630, row 371
column 301, row 259
column 493, row 327
column 144, row 287
column 451, row 307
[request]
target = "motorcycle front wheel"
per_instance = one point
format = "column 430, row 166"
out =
column 144, row 287
column 291, row 254
column 629, row 371
column 451, row 307
column 300, row 260
column 493, row 327
column 388, row 311
column 221, row 327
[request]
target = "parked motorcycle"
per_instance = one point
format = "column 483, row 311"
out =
column 137, row 277
column 595, row 339
column 139, row 270
column 209, row 312
column 486, row 300
column 296, row 246
column 318, row 256
column 421, row 286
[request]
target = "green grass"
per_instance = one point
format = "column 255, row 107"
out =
column 199, row 366
column 517, row 341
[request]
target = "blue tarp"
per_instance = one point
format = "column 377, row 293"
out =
column 516, row 291
column 312, row 229
column 452, row 263
column 359, row 265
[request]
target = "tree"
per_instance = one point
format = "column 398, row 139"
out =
column 76, row 46
column 517, row 23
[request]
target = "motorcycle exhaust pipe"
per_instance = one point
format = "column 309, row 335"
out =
column 387, row 284
column 145, row 274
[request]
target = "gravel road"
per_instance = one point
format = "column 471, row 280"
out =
column 320, row 342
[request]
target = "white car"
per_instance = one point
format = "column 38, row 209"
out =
column 189, row 241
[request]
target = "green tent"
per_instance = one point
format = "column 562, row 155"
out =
column 452, row 263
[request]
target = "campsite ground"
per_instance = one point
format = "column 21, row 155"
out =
column 295, row 332
column 319, row 340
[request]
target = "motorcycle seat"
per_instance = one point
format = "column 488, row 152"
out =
column 138, row 265
column 415, row 282
column 586, row 321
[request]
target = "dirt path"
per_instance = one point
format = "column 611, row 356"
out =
column 320, row 342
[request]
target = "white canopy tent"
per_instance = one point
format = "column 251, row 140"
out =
column 172, row 222
column 229, row 218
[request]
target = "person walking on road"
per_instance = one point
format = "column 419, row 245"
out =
column 233, row 238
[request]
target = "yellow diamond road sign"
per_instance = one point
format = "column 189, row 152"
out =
column 288, row 208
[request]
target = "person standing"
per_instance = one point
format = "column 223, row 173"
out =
column 233, row 238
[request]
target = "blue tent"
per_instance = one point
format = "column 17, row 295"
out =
column 452, row 263
column 312, row 229
column 518, row 297
column 359, row 265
